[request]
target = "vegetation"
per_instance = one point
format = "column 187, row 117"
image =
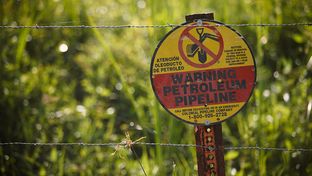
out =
column 92, row 85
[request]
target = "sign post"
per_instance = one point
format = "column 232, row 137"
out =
column 210, row 156
column 203, row 72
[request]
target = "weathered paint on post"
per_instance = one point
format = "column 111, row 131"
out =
column 210, row 150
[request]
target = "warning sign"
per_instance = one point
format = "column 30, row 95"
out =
column 203, row 74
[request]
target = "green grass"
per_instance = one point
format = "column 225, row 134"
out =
column 100, row 88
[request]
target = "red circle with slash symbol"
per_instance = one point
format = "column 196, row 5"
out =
column 215, row 56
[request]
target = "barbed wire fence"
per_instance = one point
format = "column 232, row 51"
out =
column 36, row 26
column 130, row 144
column 82, row 144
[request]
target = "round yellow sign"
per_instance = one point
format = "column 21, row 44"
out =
column 203, row 74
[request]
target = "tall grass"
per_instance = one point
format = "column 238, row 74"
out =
column 100, row 88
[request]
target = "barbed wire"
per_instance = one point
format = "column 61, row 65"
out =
column 157, row 144
column 148, row 26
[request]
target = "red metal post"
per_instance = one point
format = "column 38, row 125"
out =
column 210, row 153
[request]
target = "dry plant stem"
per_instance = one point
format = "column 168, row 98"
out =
column 137, row 158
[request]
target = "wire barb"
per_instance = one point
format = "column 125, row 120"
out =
column 128, row 144
column 148, row 26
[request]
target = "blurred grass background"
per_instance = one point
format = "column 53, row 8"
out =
column 92, row 85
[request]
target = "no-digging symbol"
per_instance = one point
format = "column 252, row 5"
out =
column 203, row 74
column 197, row 44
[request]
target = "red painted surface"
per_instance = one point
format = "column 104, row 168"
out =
column 210, row 156
column 168, row 100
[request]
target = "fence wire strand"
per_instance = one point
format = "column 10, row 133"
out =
column 148, row 26
column 158, row 144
